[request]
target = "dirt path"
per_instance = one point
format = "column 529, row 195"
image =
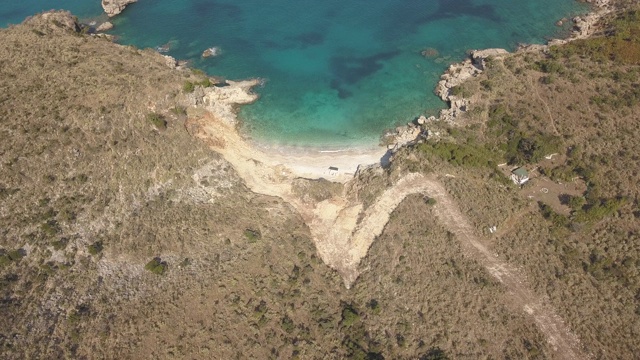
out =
column 562, row 340
column 343, row 234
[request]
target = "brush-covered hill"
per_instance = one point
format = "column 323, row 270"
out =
column 121, row 236
column 569, row 114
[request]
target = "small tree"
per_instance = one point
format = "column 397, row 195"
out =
column 157, row 266
column 157, row 120
column 349, row 316
column 95, row 248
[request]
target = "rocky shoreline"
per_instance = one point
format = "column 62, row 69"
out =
column 458, row 73
column 222, row 102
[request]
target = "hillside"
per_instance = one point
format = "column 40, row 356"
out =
column 574, row 227
column 123, row 235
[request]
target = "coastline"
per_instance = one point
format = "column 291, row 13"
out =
column 457, row 73
column 314, row 162
column 212, row 114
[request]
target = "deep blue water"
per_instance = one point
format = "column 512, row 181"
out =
column 337, row 71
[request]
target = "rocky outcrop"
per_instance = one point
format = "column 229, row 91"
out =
column 457, row 74
column 480, row 56
column 221, row 101
column 115, row 7
column 55, row 20
column 171, row 62
column 584, row 26
column 453, row 77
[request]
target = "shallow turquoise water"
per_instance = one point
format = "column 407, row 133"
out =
column 337, row 72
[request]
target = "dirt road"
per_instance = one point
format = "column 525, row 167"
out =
column 562, row 340
column 343, row 234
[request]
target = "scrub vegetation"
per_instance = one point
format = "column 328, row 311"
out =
column 111, row 246
column 581, row 250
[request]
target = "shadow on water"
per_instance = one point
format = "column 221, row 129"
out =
column 207, row 8
column 456, row 8
column 349, row 70
column 309, row 38
column 406, row 18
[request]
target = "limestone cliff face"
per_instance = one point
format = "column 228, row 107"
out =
column 115, row 7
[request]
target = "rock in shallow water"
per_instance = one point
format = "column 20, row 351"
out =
column 211, row 52
column 106, row 26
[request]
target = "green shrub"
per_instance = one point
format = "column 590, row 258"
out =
column 487, row 85
column 60, row 244
column 456, row 90
column 13, row 255
column 374, row 305
column 434, row 354
column 460, row 154
column 157, row 120
column 4, row 260
column 95, row 248
column 186, row 262
column 621, row 43
column 548, row 80
column 287, row 325
column 50, row 228
column 525, row 148
column 188, row 87
column 205, row 83
column 548, row 213
column 550, row 67
column 349, row 316
column 157, row 266
column 596, row 210
column 252, row 235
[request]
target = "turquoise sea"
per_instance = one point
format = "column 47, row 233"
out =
column 337, row 72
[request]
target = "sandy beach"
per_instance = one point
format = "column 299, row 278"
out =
column 214, row 121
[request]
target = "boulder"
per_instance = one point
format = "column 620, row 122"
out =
column 105, row 26
column 211, row 52
column 115, row 7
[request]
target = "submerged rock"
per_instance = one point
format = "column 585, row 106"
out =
column 430, row 53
